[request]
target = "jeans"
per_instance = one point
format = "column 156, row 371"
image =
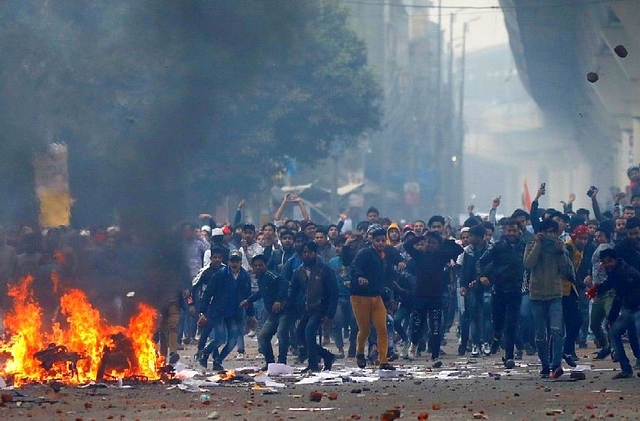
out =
column 343, row 320
column 428, row 310
column 242, row 324
column 233, row 326
column 368, row 310
column 583, row 303
column 627, row 321
column 475, row 318
column 525, row 333
column 307, row 333
column 548, row 325
column 275, row 324
column 505, row 308
column 601, row 307
column 188, row 323
column 401, row 321
column 572, row 322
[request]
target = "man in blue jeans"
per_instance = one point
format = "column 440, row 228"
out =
column 549, row 263
column 625, row 280
column 272, row 289
column 220, row 307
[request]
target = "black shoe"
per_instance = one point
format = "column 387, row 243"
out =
column 328, row 362
column 361, row 361
column 569, row 360
column 351, row 354
column 509, row 364
column 217, row 366
column 495, row 346
column 174, row 358
column 386, row 366
column 310, row 369
column 462, row 349
column 623, row 375
column 392, row 356
column 582, row 345
column 530, row 350
column 603, row 353
column 544, row 374
column 436, row 363
column 557, row 373
column 202, row 358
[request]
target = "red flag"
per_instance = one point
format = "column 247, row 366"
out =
column 526, row 197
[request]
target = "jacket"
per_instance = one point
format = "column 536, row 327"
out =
column 548, row 268
column 279, row 258
column 625, row 280
column 502, row 263
column 314, row 289
column 376, row 269
column 271, row 288
column 430, row 280
column 223, row 295
column 469, row 266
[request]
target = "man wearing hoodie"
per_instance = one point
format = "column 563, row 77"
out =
column 430, row 255
column 549, row 263
column 393, row 235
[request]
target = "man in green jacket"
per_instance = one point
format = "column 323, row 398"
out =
column 549, row 263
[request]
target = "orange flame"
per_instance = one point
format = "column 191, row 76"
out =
column 85, row 336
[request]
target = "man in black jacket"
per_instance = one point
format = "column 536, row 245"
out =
column 272, row 289
column 281, row 255
column 625, row 280
column 314, row 292
column 502, row 267
column 371, row 272
column 430, row 255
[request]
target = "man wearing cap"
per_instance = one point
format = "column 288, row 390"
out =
column 308, row 228
column 220, row 307
column 200, row 284
column 217, row 240
column 368, row 283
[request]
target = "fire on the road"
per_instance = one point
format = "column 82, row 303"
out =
column 85, row 348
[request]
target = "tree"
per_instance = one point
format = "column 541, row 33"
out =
column 151, row 94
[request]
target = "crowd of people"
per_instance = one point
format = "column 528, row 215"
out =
column 540, row 282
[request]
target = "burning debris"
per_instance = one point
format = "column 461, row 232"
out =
column 80, row 349
column 54, row 356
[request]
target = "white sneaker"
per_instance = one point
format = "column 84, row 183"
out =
column 405, row 350
column 260, row 356
column 412, row 352
column 251, row 334
column 486, row 349
column 475, row 350
column 240, row 356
